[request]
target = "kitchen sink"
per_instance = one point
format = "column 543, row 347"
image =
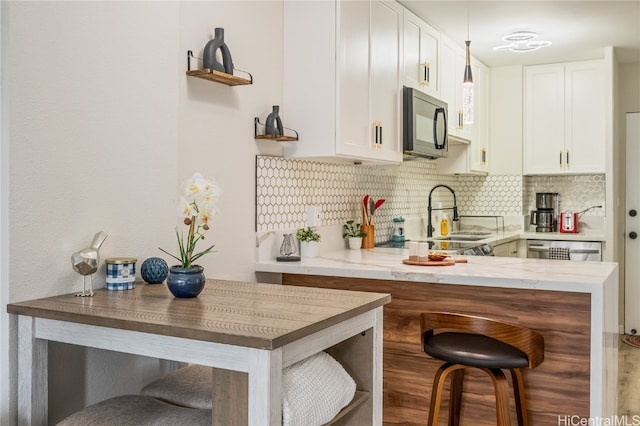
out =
column 460, row 238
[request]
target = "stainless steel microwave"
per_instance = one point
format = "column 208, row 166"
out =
column 424, row 132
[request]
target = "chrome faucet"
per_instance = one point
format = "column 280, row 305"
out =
column 430, row 209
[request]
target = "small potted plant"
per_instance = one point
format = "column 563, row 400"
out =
column 353, row 234
column 197, row 207
column 309, row 241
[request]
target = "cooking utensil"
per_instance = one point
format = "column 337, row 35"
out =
column 369, row 207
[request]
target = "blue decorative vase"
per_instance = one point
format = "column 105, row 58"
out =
column 186, row 282
column 154, row 270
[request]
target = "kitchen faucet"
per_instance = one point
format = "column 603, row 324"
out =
column 430, row 209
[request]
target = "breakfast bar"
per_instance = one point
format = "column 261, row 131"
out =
column 573, row 307
column 246, row 332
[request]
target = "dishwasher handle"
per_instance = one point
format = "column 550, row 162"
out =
column 541, row 248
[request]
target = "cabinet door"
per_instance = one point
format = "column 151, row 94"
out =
column 509, row 249
column 353, row 83
column 420, row 55
column 464, row 130
column 544, row 120
column 452, row 62
column 447, row 82
column 385, row 72
column 479, row 147
column 584, row 117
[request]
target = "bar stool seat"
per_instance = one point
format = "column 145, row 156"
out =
column 464, row 341
column 475, row 350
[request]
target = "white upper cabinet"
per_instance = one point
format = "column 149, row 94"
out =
column 452, row 63
column 472, row 156
column 421, row 55
column 564, row 118
column 479, row 147
column 342, row 79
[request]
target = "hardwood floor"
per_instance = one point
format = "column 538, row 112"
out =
column 628, row 380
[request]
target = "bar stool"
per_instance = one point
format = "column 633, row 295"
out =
column 467, row 341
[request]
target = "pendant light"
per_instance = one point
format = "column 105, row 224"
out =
column 467, row 83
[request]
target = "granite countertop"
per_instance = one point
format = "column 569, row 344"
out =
column 507, row 272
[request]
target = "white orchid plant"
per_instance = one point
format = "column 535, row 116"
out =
column 197, row 207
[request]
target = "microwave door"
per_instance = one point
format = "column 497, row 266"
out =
column 425, row 124
column 440, row 129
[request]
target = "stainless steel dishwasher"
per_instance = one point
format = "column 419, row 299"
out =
column 577, row 250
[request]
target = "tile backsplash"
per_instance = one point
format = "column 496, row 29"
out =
column 576, row 193
column 285, row 187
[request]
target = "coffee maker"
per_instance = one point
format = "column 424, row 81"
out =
column 545, row 217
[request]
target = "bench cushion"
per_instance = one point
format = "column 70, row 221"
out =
column 137, row 410
column 189, row 386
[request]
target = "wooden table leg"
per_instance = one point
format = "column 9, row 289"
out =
column 265, row 387
column 32, row 374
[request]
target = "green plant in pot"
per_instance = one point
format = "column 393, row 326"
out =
column 197, row 207
column 309, row 241
column 353, row 234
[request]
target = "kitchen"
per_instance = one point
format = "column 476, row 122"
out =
column 49, row 160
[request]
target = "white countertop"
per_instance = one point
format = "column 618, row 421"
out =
column 489, row 271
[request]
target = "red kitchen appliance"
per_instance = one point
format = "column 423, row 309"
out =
column 569, row 222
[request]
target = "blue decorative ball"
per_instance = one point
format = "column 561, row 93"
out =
column 154, row 270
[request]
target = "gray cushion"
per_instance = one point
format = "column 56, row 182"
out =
column 139, row 411
column 189, row 386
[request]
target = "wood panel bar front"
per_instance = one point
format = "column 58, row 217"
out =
column 559, row 387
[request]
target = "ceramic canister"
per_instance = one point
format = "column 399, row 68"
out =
column 121, row 273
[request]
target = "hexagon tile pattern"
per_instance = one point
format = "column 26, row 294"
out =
column 285, row 187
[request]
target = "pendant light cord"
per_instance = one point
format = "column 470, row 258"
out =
column 467, row 20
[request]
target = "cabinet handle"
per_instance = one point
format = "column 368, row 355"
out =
column 426, row 80
column 377, row 127
column 560, row 158
column 567, row 162
column 483, row 156
column 460, row 119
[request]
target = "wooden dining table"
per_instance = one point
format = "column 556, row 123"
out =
column 247, row 332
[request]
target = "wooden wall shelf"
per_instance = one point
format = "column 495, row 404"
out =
column 217, row 76
column 282, row 138
column 220, row 77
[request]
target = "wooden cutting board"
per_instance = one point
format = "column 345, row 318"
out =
column 446, row 262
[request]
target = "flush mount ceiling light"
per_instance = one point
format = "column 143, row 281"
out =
column 522, row 41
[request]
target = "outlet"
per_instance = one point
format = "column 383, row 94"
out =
column 313, row 216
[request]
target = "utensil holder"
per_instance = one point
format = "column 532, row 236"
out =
column 370, row 240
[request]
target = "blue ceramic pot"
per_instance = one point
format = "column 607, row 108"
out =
column 186, row 282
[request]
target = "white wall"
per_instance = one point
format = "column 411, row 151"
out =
column 5, row 407
column 103, row 127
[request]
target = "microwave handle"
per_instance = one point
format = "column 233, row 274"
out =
column 435, row 128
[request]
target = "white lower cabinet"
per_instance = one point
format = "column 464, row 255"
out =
column 342, row 79
column 564, row 118
column 509, row 249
